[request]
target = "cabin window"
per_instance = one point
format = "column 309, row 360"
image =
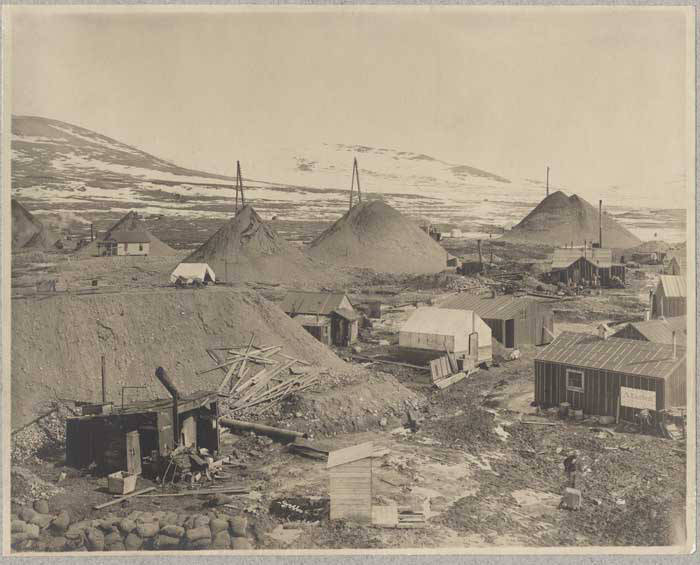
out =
column 574, row 380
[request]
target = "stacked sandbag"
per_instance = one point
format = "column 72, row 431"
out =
column 36, row 529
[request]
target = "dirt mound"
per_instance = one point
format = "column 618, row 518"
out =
column 27, row 231
column 57, row 343
column 132, row 222
column 560, row 219
column 248, row 249
column 375, row 236
column 651, row 247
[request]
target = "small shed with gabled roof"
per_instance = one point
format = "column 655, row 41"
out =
column 661, row 330
column 351, row 482
column 602, row 376
column 329, row 316
column 669, row 299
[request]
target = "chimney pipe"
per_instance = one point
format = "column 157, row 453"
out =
column 673, row 337
column 547, row 181
column 478, row 246
column 600, row 224
column 162, row 376
column 104, row 381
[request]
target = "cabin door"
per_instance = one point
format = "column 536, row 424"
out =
column 510, row 333
column 474, row 347
column 133, row 453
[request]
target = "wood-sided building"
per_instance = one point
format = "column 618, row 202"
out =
column 585, row 265
column 329, row 316
column 113, row 440
column 602, row 376
column 669, row 299
column 515, row 321
column 661, row 330
column 351, row 483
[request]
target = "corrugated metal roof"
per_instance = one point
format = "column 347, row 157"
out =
column 301, row 302
column 130, row 237
column 350, row 454
column 439, row 321
column 661, row 330
column 674, row 286
column 562, row 258
column 504, row 307
column 629, row 356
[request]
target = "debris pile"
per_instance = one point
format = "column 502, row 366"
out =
column 245, row 388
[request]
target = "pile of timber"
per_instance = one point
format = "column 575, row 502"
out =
column 444, row 370
column 258, row 375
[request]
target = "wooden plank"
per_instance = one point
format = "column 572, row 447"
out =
column 121, row 498
column 447, row 381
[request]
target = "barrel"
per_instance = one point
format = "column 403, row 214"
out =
column 564, row 410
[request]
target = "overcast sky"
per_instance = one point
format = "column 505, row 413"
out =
column 598, row 94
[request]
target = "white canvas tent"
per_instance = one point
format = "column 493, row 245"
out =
column 193, row 271
column 440, row 329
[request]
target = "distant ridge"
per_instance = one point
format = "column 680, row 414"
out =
column 376, row 236
column 560, row 220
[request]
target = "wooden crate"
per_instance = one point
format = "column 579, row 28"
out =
column 121, row 483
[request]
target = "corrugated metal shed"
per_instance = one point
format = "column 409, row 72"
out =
column 628, row 356
column 660, row 330
column 562, row 258
column 502, row 307
column 323, row 303
column 673, row 286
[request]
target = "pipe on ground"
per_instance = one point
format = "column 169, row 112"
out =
column 261, row 429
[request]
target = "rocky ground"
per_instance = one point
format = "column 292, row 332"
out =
column 484, row 467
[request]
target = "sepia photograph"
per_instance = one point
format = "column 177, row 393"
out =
column 319, row 279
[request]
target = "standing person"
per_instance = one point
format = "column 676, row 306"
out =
column 570, row 467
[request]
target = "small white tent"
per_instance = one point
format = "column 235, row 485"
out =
column 440, row 329
column 193, row 271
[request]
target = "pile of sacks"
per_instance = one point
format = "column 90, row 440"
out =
column 36, row 529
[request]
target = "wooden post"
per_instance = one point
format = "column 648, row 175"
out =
column 478, row 246
column 547, row 181
column 238, row 174
column 357, row 174
column 617, row 416
column 104, row 381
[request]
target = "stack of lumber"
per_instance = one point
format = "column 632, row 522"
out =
column 445, row 370
column 409, row 518
column 257, row 375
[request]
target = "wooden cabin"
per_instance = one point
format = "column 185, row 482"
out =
column 351, row 483
column 605, row 377
column 317, row 310
column 125, row 243
column 514, row 321
column 669, row 299
column 661, row 330
column 116, row 439
column 593, row 266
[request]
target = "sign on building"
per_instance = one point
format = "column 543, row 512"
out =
column 636, row 398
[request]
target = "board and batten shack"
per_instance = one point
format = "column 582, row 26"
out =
column 669, row 299
column 591, row 373
column 351, row 483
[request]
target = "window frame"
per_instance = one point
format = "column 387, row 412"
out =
column 583, row 380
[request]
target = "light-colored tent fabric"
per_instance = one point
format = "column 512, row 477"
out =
column 438, row 329
column 192, row 271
